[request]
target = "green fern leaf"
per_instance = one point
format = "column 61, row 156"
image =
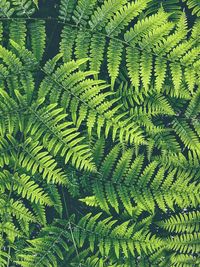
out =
column 83, row 11
column 114, row 56
column 38, row 38
column 183, row 222
column 66, row 9
column 124, row 16
column 104, row 13
column 194, row 5
column 186, row 134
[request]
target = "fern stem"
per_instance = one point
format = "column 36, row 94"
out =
column 8, row 262
column 52, row 245
column 70, row 226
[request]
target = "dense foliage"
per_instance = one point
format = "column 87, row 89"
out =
column 99, row 133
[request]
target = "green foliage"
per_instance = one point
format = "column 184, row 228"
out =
column 133, row 185
column 172, row 6
column 147, row 43
column 37, row 31
column 182, row 223
column 46, row 249
column 194, row 5
column 99, row 133
column 18, row 7
column 66, row 9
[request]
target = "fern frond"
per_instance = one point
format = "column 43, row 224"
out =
column 186, row 134
column 98, row 150
column 111, row 237
column 109, row 161
column 10, row 230
column 194, row 5
column 124, row 16
column 104, row 13
column 96, row 52
column 38, row 38
column 47, row 249
column 160, row 71
column 23, row 7
column 176, row 72
column 34, row 158
column 54, row 195
column 186, row 243
column 157, row 104
column 63, row 138
column 88, row 101
column 68, row 37
column 10, row 114
column 114, row 56
column 39, row 212
column 193, row 107
column 45, row 85
column 11, row 60
column 154, row 36
column 172, row 7
column 82, row 46
column 66, row 9
column 178, row 260
column 148, row 187
column 17, row 209
column 146, row 68
column 83, row 10
column 24, row 186
column 6, row 9
column 142, row 27
column 182, row 222
column 59, row 137
column 133, row 65
column 29, row 63
column 4, row 257
column 17, row 31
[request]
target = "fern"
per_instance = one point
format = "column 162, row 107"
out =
column 124, row 16
column 194, row 5
column 104, row 13
column 91, row 105
column 18, row 32
column 190, row 243
column 145, row 36
column 182, row 223
column 67, row 42
column 173, row 7
column 149, row 189
column 182, row 259
column 188, row 137
column 113, row 237
column 47, row 248
column 37, row 31
column 23, row 7
column 66, row 9
column 67, row 143
column 83, row 10
column 114, row 55
column 99, row 133
column 25, row 187
column 6, row 9
column 20, row 8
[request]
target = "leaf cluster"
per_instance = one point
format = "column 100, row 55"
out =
column 99, row 133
